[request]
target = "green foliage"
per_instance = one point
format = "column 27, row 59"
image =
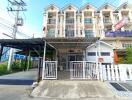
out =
column 15, row 67
column 122, row 60
column 129, row 55
column 3, row 68
column 127, row 59
column 20, row 66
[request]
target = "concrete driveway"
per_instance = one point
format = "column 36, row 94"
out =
column 19, row 78
column 72, row 89
column 22, row 92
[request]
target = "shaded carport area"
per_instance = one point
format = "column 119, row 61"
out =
column 66, row 47
column 34, row 47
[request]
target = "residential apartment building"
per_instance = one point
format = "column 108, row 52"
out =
column 70, row 22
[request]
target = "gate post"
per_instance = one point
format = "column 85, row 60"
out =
column 100, row 69
column 84, row 62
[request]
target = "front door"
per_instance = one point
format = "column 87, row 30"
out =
column 70, row 58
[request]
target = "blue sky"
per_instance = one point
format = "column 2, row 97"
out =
column 35, row 8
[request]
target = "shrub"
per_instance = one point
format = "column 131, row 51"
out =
column 3, row 68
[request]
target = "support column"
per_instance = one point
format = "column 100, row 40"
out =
column 82, row 27
column 100, row 64
column 97, row 67
column 44, row 60
column 10, row 59
column 75, row 29
column 39, row 69
column 28, row 61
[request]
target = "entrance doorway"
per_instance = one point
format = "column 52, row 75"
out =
column 64, row 60
column 74, row 57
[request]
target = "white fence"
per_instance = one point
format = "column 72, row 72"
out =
column 121, row 72
column 83, row 70
column 50, row 70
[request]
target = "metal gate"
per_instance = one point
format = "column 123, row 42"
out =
column 50, row 70
column 83, row 70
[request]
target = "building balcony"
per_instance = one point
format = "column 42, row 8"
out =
column 69, row 33
column 51, row 21
column 107, row 21
column 70, row 21
column 88, row 21
column 119, row 34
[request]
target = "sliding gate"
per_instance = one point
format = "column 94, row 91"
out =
column 50, row 70
column 83, row 70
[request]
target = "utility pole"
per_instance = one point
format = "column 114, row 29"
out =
column 16, row 6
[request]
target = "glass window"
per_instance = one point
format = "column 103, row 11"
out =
column 105, row 53
column 51, row 33
column 88, row 33
column 88, row 20
column 126, row 45
column 91, row 54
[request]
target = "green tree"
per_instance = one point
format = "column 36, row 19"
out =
column 129, row 55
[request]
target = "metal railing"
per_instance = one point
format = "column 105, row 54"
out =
column 107, row 20
column 50, row 70
column 83, row 70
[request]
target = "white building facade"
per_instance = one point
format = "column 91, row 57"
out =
column 76, row 33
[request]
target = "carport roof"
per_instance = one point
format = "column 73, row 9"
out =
column 25, row 44
column 68, row 43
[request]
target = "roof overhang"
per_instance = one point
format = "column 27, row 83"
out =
column 71, row 43
column 25, row 44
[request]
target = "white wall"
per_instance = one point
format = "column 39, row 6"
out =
column 103, row 48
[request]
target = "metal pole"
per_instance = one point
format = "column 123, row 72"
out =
column 14, row 37
column 44, row 60
column 20, row 6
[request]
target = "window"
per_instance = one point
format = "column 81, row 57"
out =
column 88, row 33
column 88, row 20
column 91, row 54
column 51, row 33
column 127, row 45
column 105, row 53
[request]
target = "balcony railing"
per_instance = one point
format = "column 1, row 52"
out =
column 51, row 21
column 119, row 34
column 70, row 21
column 88, row 21
column 69, row 33
column 106, row 20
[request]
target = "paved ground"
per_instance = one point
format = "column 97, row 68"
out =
column 58, row 89
column 31, row 74
column 21, row 92
column 20, row 78
column 72, row 89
